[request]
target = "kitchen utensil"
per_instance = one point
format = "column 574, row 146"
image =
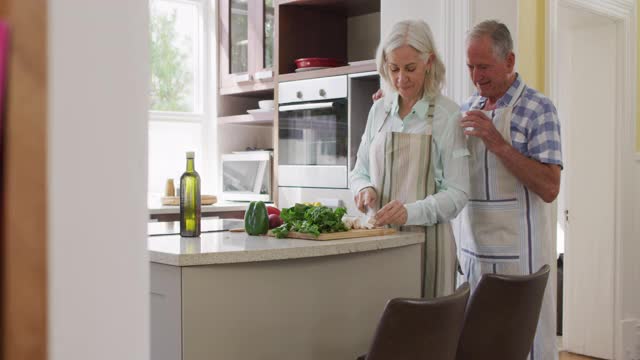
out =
column 261, row 114
column 266, row 104
column 175, row 200
column 169, row 189
column 318, row 62
column 341, row 235
column 311, row 68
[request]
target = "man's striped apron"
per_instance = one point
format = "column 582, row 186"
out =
column 506, row 228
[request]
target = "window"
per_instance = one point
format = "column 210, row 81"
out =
column 180, row 36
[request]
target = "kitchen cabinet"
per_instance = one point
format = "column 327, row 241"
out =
column 246, row 33
column 352, row 38
column 303, row 31
column 166, row 318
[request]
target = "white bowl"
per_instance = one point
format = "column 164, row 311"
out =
column 265, row 104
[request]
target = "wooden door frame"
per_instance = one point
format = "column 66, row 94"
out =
column 24, row 186
column 622, row 12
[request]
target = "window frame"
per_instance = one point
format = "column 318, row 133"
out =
column 200, row 70
column 204, row 92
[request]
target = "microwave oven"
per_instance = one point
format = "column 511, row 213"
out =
column 246, row 176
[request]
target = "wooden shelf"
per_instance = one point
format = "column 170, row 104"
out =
column 349, row 7
column 354, row 68
column 256, row 88
column 245, row 119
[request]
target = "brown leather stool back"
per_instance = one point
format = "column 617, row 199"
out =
column 420, row 328
column 502, row 317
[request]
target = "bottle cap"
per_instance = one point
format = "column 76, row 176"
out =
column 190, row 155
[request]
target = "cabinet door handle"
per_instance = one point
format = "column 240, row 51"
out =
column 322, row 93
column 312, row 106
column 240, row 78
column 263, row 75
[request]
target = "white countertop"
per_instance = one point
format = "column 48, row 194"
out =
column 227, row 247
column 156, row 207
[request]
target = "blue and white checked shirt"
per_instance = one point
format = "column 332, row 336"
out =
column 535, row 127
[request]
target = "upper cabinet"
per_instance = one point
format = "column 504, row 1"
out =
column 346, row 30
column 246, row 35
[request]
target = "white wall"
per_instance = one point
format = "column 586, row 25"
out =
column 505, row 11
column 97, row 147
column 430, row 11
column 631, row 300
column 450, row 20
column 363, row 36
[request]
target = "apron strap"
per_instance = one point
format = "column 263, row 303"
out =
column 518, row 94
column 476, row 105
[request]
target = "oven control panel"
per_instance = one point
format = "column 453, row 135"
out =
column 334, row 87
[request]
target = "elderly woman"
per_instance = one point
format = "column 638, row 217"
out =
column 412, row 168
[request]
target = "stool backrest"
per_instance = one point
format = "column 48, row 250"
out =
column 420, row 328
column 502, row 317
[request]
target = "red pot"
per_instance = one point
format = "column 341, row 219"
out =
column 318, row 62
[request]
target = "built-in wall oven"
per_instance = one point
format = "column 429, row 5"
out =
column 313, row 133
column 320, row 124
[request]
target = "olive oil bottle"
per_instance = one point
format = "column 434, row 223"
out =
column 190, row 200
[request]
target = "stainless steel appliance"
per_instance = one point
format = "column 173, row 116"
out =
column 320, row 124
column 313, row 133
column 246, row 176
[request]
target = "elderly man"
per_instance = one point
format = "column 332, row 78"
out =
column 514, row 139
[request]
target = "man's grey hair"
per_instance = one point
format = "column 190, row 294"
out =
column 417, row 34
column 499, row 34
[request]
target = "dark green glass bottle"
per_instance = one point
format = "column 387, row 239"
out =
column 190, row 200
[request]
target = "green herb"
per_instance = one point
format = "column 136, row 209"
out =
column 311, row 220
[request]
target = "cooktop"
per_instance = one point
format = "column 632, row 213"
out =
column 206, row 225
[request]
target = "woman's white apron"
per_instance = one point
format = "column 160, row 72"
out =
column 401, row 169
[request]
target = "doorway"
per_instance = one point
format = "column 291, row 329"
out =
column 587, row 75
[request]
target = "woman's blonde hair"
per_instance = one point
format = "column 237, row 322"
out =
column 417, row 34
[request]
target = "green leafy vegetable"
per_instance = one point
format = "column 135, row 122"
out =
column 311, row 220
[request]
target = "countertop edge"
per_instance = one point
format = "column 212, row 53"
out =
column 335, row 247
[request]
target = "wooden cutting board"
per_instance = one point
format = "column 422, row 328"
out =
column 341, row 235
column 175, row 200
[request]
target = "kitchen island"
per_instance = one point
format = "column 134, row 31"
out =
column 231, row 296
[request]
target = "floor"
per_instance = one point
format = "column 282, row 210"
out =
column 569, row 356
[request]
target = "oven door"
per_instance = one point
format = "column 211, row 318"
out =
column 313, row 144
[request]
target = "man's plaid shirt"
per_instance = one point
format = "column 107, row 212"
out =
column 535, row 127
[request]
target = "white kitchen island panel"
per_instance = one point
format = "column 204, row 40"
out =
column 297, row 307
column 166, row 312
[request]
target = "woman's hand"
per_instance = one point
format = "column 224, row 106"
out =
column 366, row 198
column 393, row 213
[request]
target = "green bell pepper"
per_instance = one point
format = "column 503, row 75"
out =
column 256, row 219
